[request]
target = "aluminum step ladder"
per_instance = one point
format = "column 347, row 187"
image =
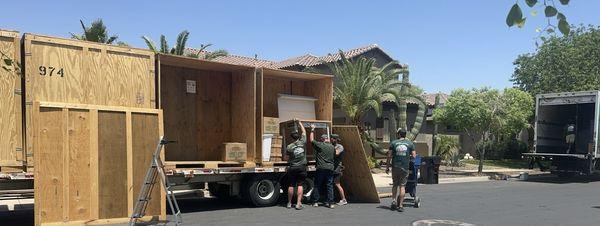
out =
column 156, row 170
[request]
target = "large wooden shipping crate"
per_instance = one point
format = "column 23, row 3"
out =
column 91, row 160
column 71, row 71
column 207, row 104
column 11, row 139
column 272, row 83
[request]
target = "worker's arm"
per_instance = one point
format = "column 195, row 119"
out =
column 338, row 150
column 388, row 160
column 311, row 133
column 302, row 129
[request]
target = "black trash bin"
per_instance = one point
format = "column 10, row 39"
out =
column 430, row 168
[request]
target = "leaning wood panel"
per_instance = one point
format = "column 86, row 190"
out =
column 79, row 72
column 11, row 155
column 112, row 165
column 85, row 170
column 243, row 110
column 357, row 179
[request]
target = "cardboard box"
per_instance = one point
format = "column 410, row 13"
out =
column 270, row 125
column 234, row 152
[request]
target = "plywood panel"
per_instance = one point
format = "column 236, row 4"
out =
column 243, row 110
column 11, row 154
column 357, row 180
column 271, row 89
column 79, row 165
column 200, row 121
column 145, row 136
column 112, row 165
column 321, row 89
column 49, row 179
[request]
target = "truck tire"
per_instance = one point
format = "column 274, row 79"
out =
column 262, row 191
column 308, row 187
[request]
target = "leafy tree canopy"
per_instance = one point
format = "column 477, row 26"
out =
column 561, row 64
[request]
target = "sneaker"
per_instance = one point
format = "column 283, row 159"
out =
column 316, row 204
column 400, row 209
column 342, row 202
column 330, row 206
column 393, row 206
column 289, row 205
column 299, row 207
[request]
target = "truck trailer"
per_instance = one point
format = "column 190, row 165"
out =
column 566, row 132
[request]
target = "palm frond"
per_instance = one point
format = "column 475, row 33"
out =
column 164, row 45
column 217, row 53
column 181, row 42
column 149, row 43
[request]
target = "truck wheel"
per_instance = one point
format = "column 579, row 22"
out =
column 308, row 187
column 263, row 191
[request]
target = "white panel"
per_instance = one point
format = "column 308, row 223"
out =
column 300, row 107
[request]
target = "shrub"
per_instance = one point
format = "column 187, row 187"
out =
column 446, row 146
column 505, row 149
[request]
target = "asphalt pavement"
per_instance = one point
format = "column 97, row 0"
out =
column 539, row 201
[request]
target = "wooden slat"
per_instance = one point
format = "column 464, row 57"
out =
column 357, row 179
column 259, row 114
column 94, row 168
column 322, row 90
column 78, row 163
column 130, row 173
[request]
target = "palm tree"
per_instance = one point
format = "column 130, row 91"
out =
column 362, row 87
column 97, row 32
column 180, row 45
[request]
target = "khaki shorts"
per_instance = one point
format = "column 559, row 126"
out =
column 570, row 138
column 399, row 176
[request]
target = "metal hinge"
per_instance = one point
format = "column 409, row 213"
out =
column 18, row 149
column 28, row 102
column 18, row 92
column 29, row 155
column 28, row 54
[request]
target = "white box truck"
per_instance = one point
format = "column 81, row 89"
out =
column 566, row 132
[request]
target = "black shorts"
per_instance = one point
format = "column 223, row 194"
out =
column 337, row 176
column 296, row 175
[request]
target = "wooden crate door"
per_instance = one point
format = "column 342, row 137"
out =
column 10, row 110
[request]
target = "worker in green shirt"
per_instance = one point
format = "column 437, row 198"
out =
column 325, row 154
column 296, row 171
column 338, row 168
column 401, row 150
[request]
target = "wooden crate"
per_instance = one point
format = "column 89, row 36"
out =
column 11, row 139
column 272, row 82
column 221, row 110
column 277, row 148
column 80, row 72
column 234, row 152
column 270, row 125
column 91, row 161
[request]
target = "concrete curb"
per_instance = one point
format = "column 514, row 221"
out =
column 463, row 179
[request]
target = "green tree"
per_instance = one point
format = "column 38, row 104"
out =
column 97, row 32
column 486, row 114
column 561, row 64
column 180, row 46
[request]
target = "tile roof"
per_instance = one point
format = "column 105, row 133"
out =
column 307, row 60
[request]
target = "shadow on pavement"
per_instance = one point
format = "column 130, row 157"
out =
column 19, row 217
column 553, row 179
column 190, row 205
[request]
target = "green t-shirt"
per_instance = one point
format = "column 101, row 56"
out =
column 297, row 152
column 325, row 153
column 401, row 150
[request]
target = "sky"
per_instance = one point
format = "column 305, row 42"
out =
column 447, row 44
